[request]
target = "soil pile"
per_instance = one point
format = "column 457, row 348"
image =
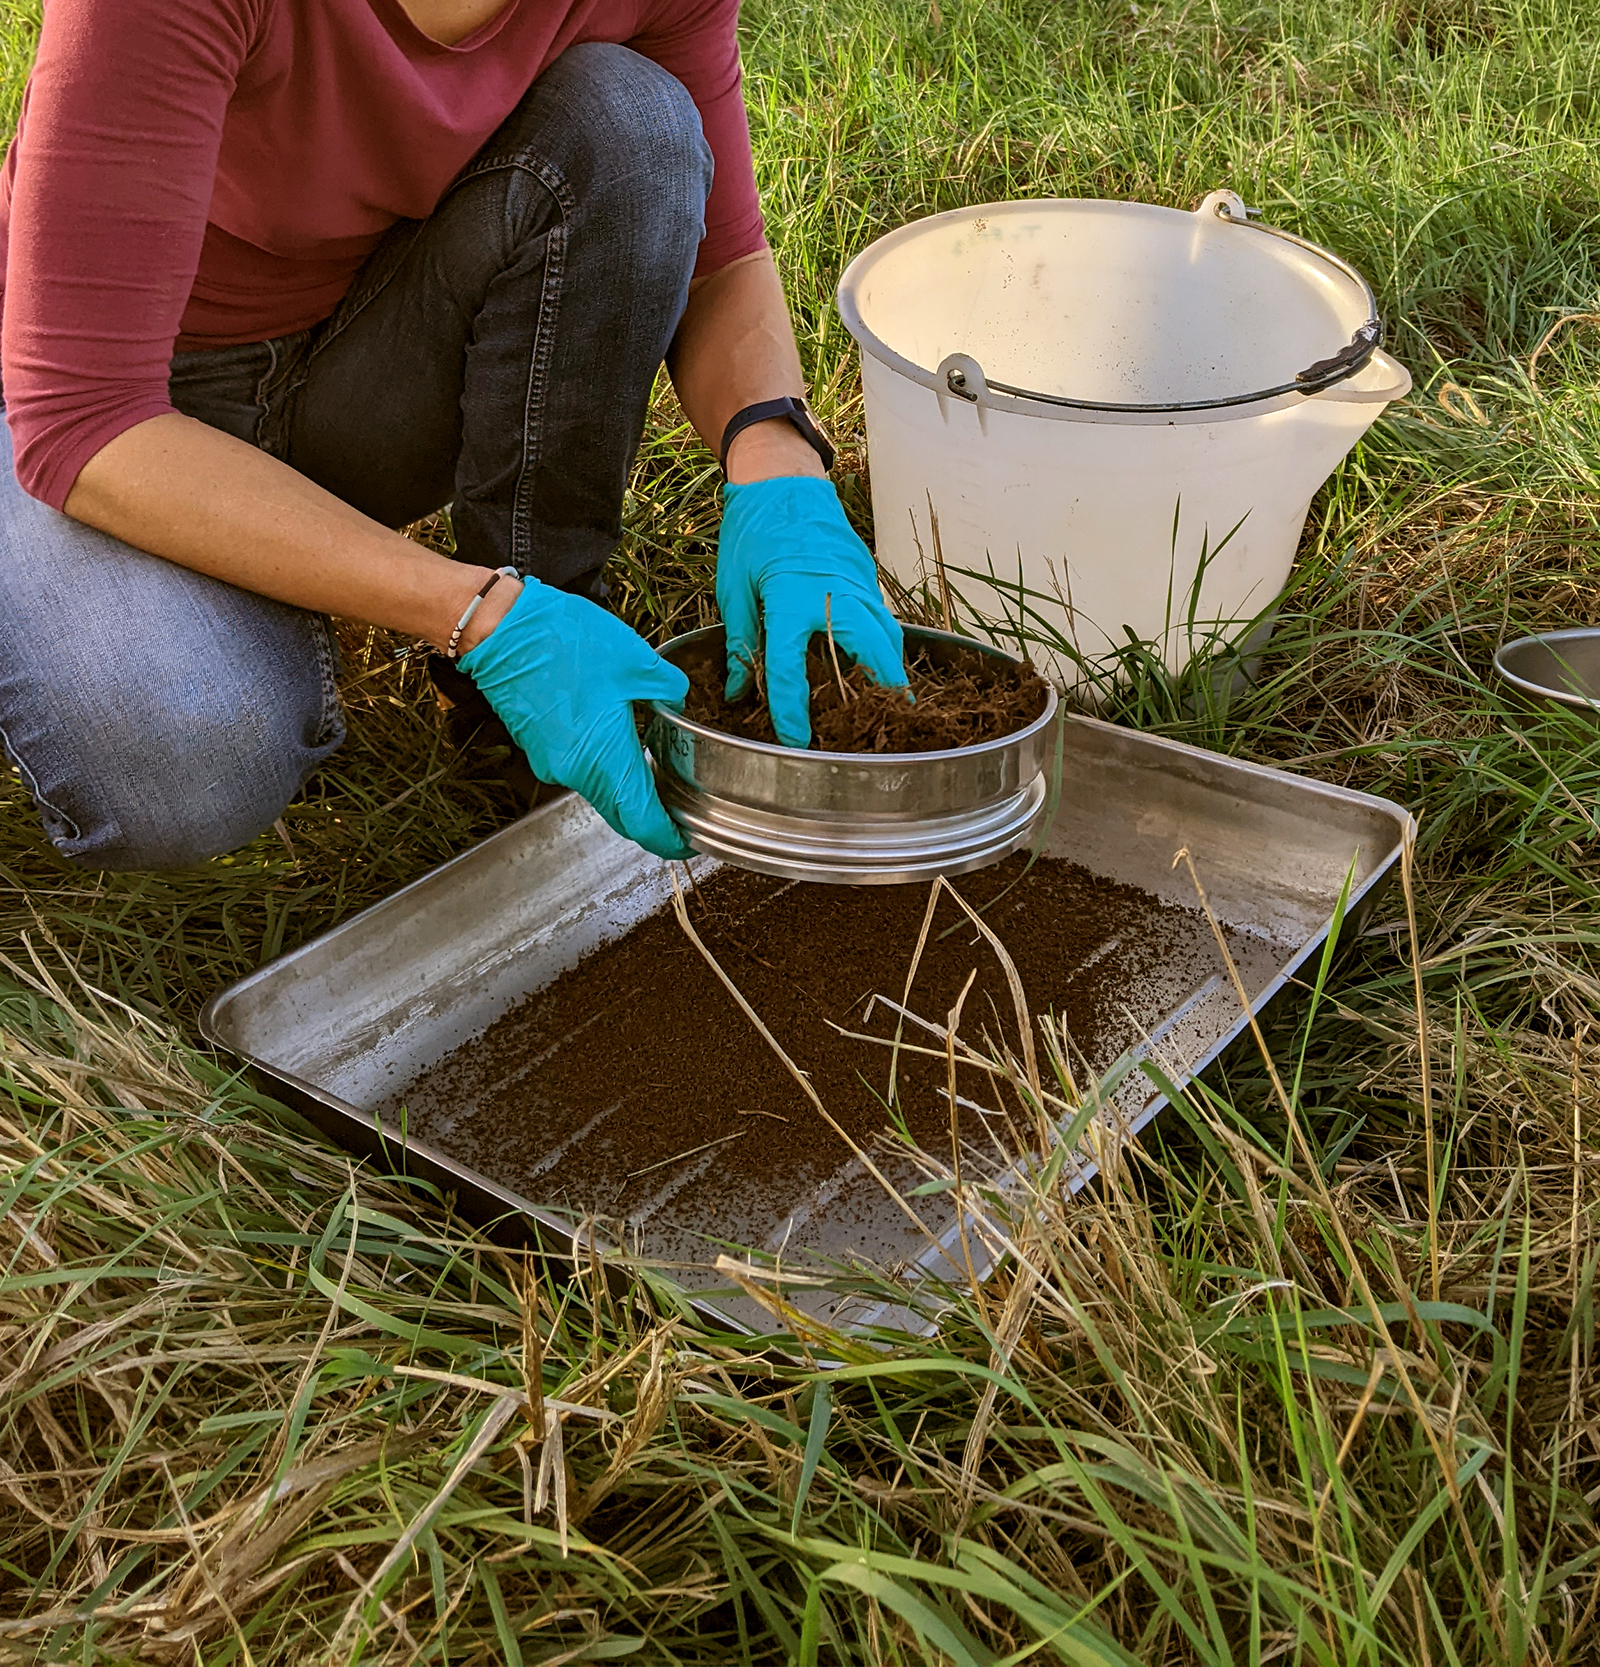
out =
column 634, row 1087
column 962, row 699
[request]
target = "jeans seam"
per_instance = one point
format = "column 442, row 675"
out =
column 555, row 182
column 322, row 638
column 555, row 266
column 275, row 390
column 263, row 438
column 31, row 782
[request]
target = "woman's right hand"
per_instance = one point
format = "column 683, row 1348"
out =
column 562, row 675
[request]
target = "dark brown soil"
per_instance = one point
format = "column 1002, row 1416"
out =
column 975, row 697
column 634, row 1087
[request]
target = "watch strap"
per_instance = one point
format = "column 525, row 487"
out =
column 797, row 412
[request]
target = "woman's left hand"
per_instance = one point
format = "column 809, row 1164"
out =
column 789, row 567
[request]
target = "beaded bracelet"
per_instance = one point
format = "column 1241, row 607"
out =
column 472, row 607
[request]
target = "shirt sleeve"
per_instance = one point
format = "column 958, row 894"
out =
column 112, row 175
column 698, row 41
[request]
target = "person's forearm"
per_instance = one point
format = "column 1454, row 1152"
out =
column 735, row 347
column 213, row 503
column 207, row 501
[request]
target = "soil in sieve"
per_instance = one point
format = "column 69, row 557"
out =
column 966, row 698
column 634, row 1088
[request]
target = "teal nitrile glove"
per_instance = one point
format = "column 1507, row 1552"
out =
column 789, row 560
column 562, row 674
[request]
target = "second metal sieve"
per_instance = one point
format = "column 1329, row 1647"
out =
column 1557, row 670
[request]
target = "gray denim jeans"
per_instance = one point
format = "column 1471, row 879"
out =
column 497, row 356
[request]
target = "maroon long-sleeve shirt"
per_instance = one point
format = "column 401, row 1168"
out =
column 195, row 173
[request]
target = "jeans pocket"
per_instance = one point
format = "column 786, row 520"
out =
column 220, row 386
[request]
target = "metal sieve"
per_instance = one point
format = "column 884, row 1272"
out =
column 1556, row 669
column 851, row 818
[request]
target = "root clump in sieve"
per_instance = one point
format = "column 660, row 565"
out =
column 960, row 699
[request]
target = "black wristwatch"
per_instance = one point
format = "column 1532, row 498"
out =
column 796, row 410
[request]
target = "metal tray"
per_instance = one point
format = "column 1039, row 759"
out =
column 340, row 1025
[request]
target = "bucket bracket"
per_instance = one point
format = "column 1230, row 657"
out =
column 960, row 376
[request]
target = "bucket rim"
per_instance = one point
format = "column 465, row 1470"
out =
column 959, row 376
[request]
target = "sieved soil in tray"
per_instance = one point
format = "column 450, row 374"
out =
column 962, row 698
column 634, row 1088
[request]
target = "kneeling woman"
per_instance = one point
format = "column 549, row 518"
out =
column 284, row 275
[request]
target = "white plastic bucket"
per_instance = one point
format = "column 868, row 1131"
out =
column 1060, row 382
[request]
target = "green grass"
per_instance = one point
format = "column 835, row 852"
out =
column 1273, row 1396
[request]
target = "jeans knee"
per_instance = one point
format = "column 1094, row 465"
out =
column 641, row 138
column 126, row 839
column 154, row 786
column 157, row 716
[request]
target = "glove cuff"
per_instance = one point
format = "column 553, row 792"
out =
column 752, row 491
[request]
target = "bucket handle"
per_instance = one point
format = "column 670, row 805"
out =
column 960, row 376
column 1395, row 385
column 1357, row 353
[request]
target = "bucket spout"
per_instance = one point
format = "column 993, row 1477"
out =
column 1383, row 381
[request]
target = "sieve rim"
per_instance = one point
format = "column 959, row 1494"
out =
column 1507, row 654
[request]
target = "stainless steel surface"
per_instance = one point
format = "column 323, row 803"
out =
column 343, row 1023
column 851, row 818
column 1555, row 669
